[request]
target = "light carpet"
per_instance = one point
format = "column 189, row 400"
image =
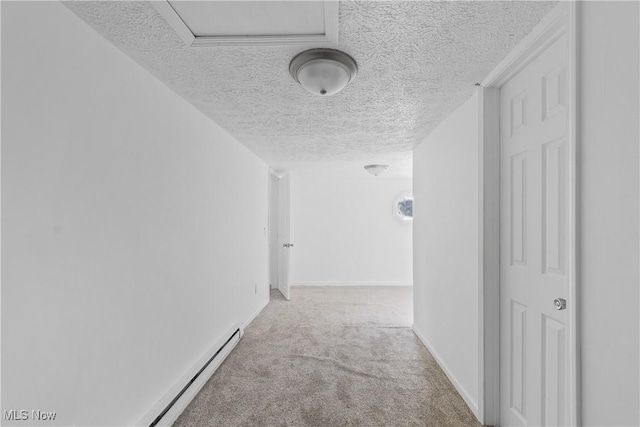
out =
column 331, row 356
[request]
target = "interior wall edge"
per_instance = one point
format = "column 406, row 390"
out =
column 471, row 403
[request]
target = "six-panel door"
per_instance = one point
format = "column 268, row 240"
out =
column 534, row 242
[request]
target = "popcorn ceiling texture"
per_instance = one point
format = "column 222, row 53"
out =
column 418, row 61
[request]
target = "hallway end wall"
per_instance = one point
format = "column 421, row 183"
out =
column 446, row 252
column 344, row 231
column 134, row 228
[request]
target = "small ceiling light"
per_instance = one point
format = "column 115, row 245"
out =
column 376, row 170
column 323, row 72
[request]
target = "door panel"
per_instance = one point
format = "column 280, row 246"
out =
column 534, row 242
column 553, row 206
column 518, row 351
column 553, row 372
column 518, row 202
column 283, row 236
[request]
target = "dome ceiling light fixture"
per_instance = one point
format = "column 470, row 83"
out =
column 323, row 72
column 376, row 170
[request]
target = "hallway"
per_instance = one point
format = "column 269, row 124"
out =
column 450, row 189
column 330, row 356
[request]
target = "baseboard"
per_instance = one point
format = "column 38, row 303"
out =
column 180, row 405
column 465, row 395
column 310, row 284
column 254, row 315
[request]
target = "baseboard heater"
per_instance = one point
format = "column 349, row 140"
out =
column 195, row 377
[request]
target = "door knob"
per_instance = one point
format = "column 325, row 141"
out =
column 560, row 303
column 284, row 245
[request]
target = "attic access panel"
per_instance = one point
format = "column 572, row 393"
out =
column 224, row 23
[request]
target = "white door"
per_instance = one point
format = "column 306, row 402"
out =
column 534, row 242
column 284, row 245
column 273, row 231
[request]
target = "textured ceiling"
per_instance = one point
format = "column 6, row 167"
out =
column 418, row 61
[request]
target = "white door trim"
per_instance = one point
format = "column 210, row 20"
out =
column 562, row 20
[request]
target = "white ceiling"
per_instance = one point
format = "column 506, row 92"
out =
column 417, row 62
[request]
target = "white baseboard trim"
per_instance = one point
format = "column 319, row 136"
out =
column 465, row 395
column 254, row 315
column 310, row 284
column 180, row 405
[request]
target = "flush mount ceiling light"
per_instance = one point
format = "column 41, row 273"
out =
column 323, row 72
column 376, row 170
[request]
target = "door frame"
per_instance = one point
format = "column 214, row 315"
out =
column 562, row 20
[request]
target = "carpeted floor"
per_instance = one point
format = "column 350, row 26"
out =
column 330, row 357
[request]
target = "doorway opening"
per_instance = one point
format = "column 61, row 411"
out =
column 341, row 230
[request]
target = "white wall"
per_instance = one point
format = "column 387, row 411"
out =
column 609, row 182
column 133, row 226
column 344, row 232
column 445, row 241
